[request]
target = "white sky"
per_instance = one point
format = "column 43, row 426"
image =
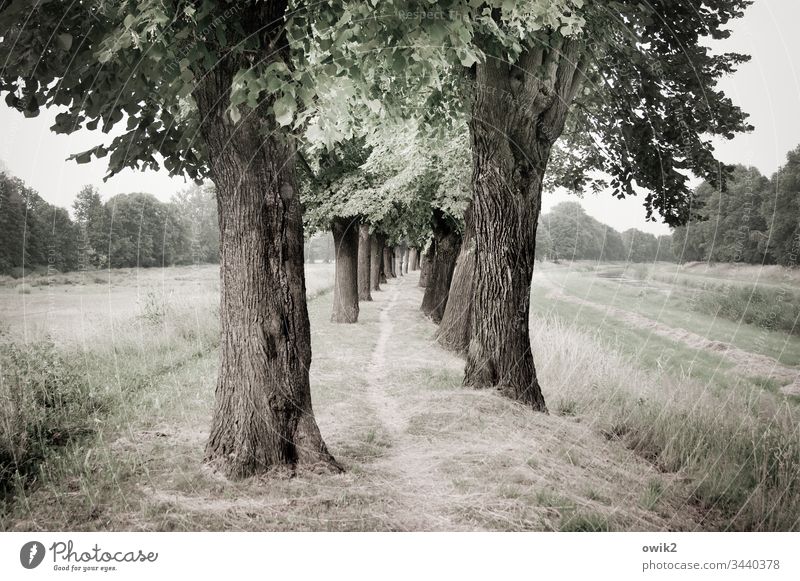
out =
column 768, row 87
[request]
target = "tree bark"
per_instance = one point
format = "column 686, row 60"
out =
column 406, row 257
column 426, row 263
column 345, row 287
column 387, row 262
column 413, row 259
column 393, row 261
column 398, row 260
column 511, row 144
column 448, row 243
column 375, row 260
column 454, row 330
column 262, row 415
column 364, row 253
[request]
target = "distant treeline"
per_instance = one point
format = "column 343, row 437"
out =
column 567, row 232
column 757, row 220
column 126, row 230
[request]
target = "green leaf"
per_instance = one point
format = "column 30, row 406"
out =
column 64, row 41
column 84, row 157
column 284, row 109
column 234, row 114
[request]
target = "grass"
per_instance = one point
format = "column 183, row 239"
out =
column 638, row 438
column 60, row 405
column 44, row 406
column 696, row 310
column 738, row 451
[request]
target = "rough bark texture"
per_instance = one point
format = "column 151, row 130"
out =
column 387, row 262
column 364, row 252
column 413, row 259
column 262, row 414
column 426, row 263
column 448, row 243
column 345, row 286
column 454, row 329
column 375, row 260
column 518, row 111
column 393, row 261
column 398, row 260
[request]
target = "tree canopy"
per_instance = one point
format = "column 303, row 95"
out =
column 753, row 221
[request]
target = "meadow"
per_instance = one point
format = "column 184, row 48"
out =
column 667, row 412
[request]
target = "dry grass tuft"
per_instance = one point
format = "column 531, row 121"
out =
column 739, row 450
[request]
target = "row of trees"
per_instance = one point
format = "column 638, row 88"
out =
column 126, row 230
column 756, row 220
column 567, row 232
column 629, row 90
column 33, row 232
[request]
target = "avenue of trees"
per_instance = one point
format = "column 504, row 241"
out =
column 406, row 132
column 127, row 230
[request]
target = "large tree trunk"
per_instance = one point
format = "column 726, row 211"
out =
column 413, row 259
column 511, row 145
column 262, row 414
column 393, row 261
column 454, row 330
column 364, row 252
column 426, row 263
column 406, row 257
column 387, row 262
column 448, row 242
column 345, row 287
column 375, row 260
column 398, row 259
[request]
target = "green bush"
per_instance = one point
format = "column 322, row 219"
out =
column 44, row 404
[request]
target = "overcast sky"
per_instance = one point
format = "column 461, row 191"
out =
column 768, row 88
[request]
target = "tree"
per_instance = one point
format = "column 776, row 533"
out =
column 639, row 246
column 345, row 288
column 143, row 232
column 90, row 216
column 447, row 245
column 12, row 223
column 364, row 263
column 574, row 235
column 327, row 194
column 52, row 237
column 635, row 90
column 375, row 260
column 780, row 211
column 196, row 209
column 405, row 184
column 734, row 225
column 207, row 88
column 664, row 253
column 33, row 233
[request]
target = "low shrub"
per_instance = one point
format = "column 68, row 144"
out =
column 44, row 404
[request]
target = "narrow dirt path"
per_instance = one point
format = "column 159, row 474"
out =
column 422, row 452
column 746, row 363
column 464, row 459
column 424, row 497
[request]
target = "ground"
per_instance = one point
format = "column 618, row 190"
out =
column 626, row 447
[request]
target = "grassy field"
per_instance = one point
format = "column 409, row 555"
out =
column 648, row 430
